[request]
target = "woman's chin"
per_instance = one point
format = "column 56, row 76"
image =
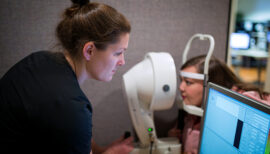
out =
column 108, row 79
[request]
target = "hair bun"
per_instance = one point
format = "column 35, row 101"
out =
column 80, row 2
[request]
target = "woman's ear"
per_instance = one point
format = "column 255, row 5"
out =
column 88, row 50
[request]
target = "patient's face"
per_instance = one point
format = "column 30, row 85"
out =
column 191, row 89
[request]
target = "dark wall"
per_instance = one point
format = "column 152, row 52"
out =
column 157, row 25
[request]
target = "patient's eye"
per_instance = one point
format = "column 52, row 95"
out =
column 189, row 82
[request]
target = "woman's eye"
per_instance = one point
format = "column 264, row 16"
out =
column 117, row 53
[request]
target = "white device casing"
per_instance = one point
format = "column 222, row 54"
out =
column 144, row 86
column 191, row 108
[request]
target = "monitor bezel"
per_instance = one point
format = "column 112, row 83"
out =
column 246, row 100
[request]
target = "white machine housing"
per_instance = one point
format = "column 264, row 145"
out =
column 191, row 109
column 151, row 85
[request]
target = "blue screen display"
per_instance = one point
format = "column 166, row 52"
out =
column 233, row 127
column 268, row 36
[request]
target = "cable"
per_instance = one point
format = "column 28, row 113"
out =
column 152, row 139
column 151, row 147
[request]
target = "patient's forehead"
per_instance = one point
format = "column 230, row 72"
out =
column 191, row 69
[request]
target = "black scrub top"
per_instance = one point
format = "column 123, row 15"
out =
column 43, row 109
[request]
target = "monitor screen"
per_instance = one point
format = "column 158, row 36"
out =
column 268, row 36
column 234, row 124
column 239, row 41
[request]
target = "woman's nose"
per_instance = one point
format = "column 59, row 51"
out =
column 121, row 60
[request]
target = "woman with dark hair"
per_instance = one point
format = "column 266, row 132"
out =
column 42, row 106
column 192, row 94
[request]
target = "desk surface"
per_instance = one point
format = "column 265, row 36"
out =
column 250, row 53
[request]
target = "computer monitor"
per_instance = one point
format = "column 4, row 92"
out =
column 234, row 123
column 268, row 36
column 239, row 41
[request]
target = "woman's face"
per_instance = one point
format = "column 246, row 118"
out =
column 103, row 64
column 191, row 89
